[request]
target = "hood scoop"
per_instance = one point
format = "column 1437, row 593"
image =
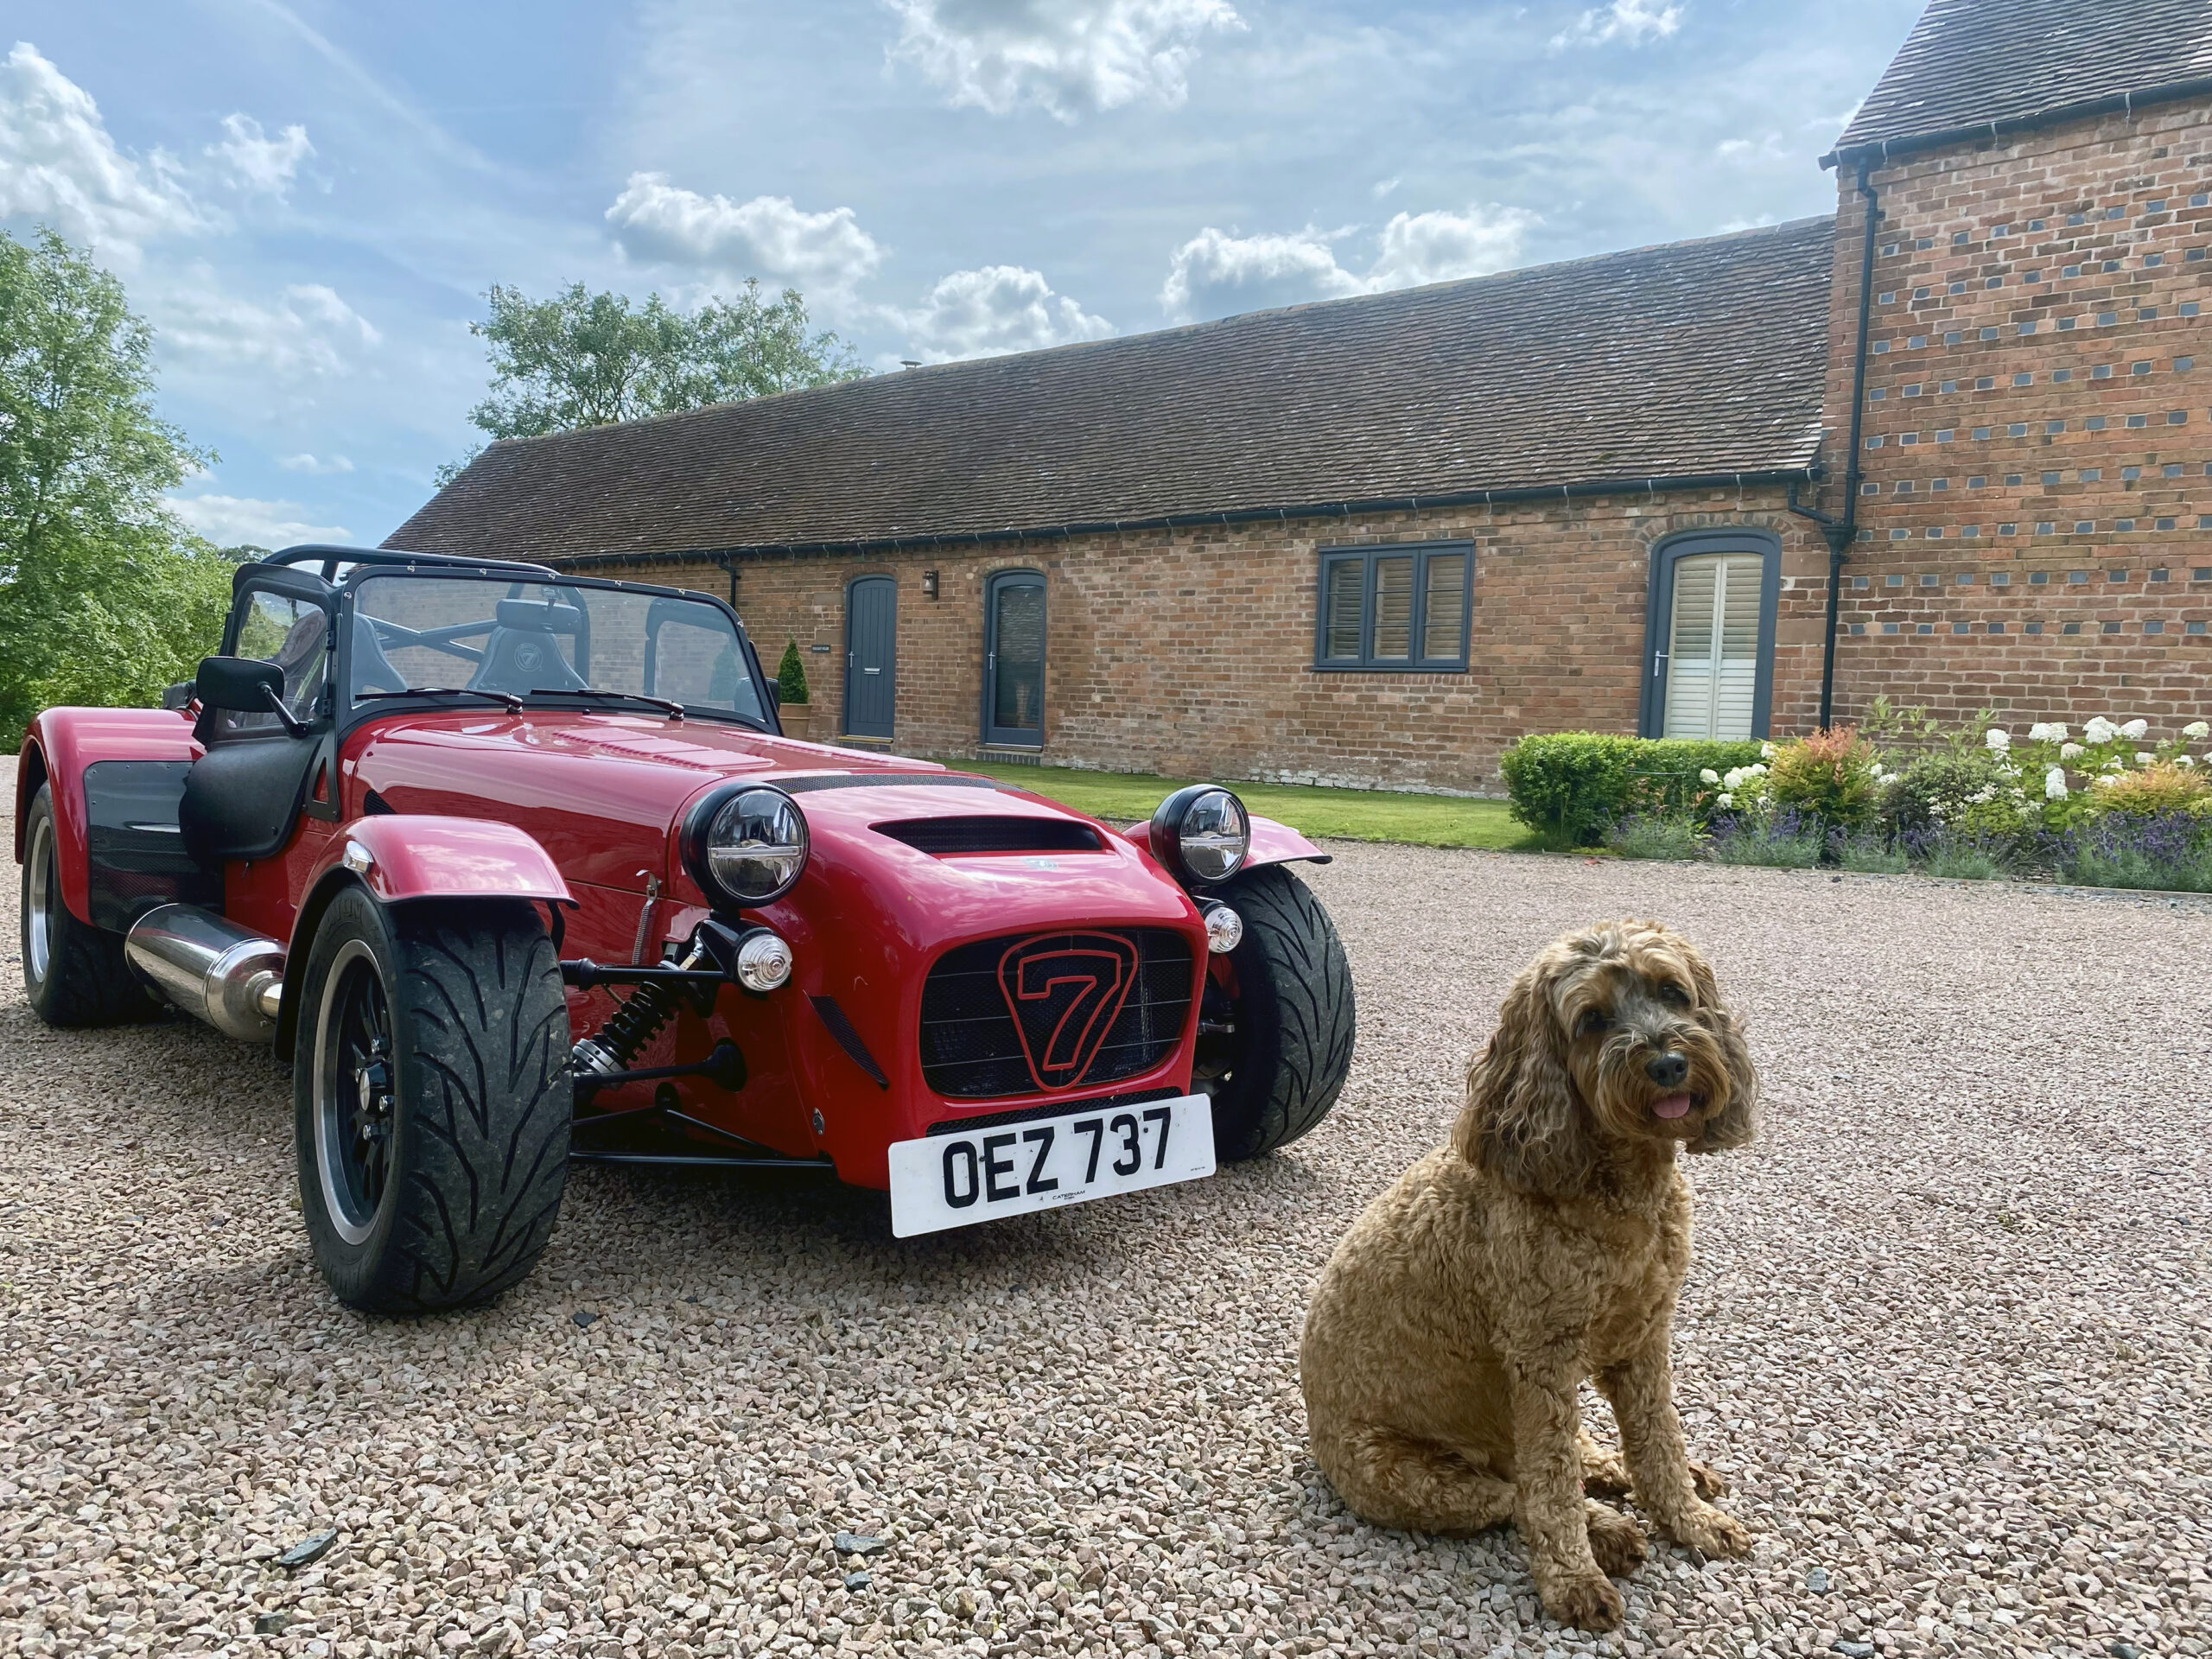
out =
column 990, row 833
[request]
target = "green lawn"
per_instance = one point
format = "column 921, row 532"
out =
column 1358, row 814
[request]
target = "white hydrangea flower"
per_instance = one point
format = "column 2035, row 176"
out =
column 1734, row 779
column 1999, row 739
column 2104, row 781
column 2143, row 757
column 2135, row 729
column 2054, row 784
column 2048, row 731
column 2196, row 728
column 2183, row 761
column 1708, row 775
column 2068, row 751
column 1726, row 799
column 2099, row 730
column 1757, row 769
column 1766, row 751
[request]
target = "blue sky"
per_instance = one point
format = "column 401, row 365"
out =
column 308, row 200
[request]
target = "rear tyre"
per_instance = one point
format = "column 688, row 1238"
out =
column 74, row 973
column 1279, row 1071
column 431, row 1099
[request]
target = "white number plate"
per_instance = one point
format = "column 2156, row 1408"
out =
column 952, row 1180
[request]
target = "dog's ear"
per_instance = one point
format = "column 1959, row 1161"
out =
column 1738, row 1120
column 1524, row 1122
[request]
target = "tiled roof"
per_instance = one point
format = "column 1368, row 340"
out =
column 1972, row 63
column 1695, row 360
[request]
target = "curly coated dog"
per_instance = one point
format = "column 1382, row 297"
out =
column 1545, row 1243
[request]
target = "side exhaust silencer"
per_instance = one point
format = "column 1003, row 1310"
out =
column 213, row 970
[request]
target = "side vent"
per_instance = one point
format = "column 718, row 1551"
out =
column 993, row 834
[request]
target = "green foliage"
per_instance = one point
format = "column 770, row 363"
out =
column 104, row 598
column 581, row 359
column 1831, row 776
column 1573, row 787
column 1788, row 847
column 1950, row 789
column 791, row 675
column 1869, row 855
column 1656, row 835
column 1964, row 858
column 2163, row 786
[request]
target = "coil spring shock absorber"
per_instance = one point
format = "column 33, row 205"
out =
column 615, row 1045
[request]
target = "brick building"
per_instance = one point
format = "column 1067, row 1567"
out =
column 1374, row 540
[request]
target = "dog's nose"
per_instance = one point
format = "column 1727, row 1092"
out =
column 1666, row 1070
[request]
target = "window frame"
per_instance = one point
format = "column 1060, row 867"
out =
column 1659, row 617
column 1366, row 556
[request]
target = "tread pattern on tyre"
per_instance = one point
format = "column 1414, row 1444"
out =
column 1296, row 984
column 87, row 981
column 485, row 1066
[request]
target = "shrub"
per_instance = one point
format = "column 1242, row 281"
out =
column 1830, row 776
column 2160, row 788
column 791, row 675
column 1959, row 854
column 2169, row 851
column 1653, row 835
column 1573, row 787
column 1869, row 855
column 1785, row 839
column 1970, row 791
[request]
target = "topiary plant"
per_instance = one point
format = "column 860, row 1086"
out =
column 791, row 676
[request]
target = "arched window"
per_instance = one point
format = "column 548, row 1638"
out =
column 1709, row 634
column 1014, row 659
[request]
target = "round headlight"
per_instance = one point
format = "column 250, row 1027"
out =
column 751, row 847
column 1202, row 833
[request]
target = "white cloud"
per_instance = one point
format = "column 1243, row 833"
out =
column 229, row 520
column 255, row 162
column 309, row 331
column 1382, row 188
column 1065, row 56
column 59, row 165
column 1214, row 274
column 320, row 466
column 998, row 308
column 1632, row 20
column 767, row 237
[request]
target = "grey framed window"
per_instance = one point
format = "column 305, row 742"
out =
column 1708, row 645
column 1404, row 606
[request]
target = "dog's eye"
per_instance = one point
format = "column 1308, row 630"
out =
column 1670, row 991
column 1593, row 1021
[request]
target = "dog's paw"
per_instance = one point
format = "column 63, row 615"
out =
column 1591, row 1603
column 1604, row 1474
column 1710, row 1482
column 1616, row 1541
column 1713, row 1531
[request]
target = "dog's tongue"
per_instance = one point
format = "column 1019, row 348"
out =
column 1671, row 1105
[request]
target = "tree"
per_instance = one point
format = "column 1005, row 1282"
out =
column 584, row 359
column 104, row 598
column 791, row 676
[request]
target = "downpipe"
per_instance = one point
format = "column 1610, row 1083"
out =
column 213, row 970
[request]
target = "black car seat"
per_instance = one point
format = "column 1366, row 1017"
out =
column 372, row 669
column 521, row 653
column 242, row 797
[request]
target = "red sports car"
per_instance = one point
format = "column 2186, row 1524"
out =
column 517, row 869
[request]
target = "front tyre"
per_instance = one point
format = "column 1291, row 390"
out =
column 1288, row 1004
column 431, row 1100
column 74, row 973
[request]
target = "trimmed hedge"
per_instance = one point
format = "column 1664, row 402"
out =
column 1573, row 787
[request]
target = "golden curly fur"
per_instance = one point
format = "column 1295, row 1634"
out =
column 1545, row 1243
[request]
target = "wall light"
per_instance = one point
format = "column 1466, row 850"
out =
column 929, row 584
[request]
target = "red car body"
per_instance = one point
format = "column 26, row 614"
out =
column 580, row 810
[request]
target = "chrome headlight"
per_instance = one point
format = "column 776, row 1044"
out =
column 1202, row 833
column 746, row 846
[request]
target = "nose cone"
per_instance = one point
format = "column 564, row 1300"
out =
column 1667, row 1070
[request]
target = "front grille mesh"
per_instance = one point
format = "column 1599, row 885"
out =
column 972, row 1048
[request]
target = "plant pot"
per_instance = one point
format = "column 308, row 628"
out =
column 797, row 719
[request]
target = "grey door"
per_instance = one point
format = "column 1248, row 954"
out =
column 871, row 656
column 1014, row 659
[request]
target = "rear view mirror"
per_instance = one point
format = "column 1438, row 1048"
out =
column 241, row 685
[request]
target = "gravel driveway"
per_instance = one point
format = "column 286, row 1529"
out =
column 1947, row 1332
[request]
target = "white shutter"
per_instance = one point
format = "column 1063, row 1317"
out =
column 1712, row 661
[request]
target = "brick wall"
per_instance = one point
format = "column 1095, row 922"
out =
column 2037, row 504
column 1190, row 651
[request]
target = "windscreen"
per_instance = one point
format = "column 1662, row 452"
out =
column 521, row 638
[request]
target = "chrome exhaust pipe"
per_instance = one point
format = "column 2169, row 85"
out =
column 212, row 969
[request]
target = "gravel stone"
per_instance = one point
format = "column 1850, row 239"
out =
column 1946, row 1334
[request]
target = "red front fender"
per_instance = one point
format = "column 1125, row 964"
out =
column 400, row 856
column 1272, row 843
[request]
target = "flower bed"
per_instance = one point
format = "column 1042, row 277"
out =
column 2113, row 805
